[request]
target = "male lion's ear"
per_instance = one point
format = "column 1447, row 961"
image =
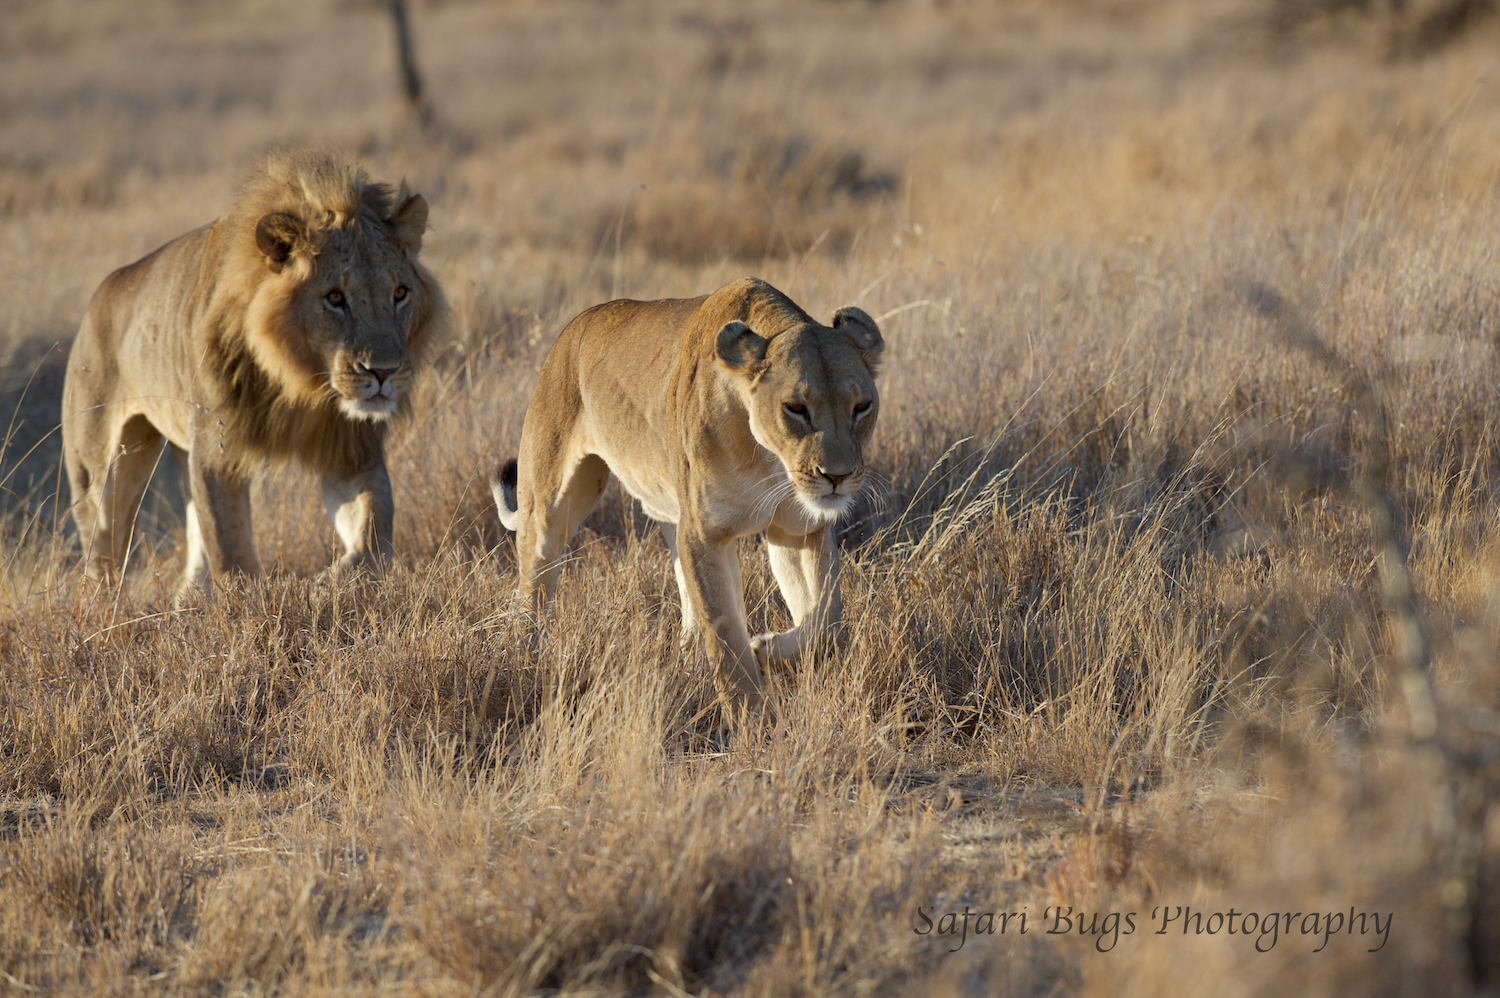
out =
column 739, row 348
column 276, row 235
column 862, row 331
column 409, row 221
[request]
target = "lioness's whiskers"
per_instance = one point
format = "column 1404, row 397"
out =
column 773, row 497
column 879, row 490
column 754, row 487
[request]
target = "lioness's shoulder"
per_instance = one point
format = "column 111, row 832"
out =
column 757, row 304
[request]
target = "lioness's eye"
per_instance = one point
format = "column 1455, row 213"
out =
column 862, row 408
column 794, row 409
column 401, row 292
column 334, row 298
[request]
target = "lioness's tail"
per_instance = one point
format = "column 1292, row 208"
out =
column 503, row 488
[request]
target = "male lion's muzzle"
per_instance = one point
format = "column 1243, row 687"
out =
column 370, row 392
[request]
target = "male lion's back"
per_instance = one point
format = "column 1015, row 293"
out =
column 132, row 348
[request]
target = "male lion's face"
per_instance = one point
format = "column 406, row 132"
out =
column 812, row 402
column 356, row 306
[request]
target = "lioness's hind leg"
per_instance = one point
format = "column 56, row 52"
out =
column 554, row 523
column 806, row 570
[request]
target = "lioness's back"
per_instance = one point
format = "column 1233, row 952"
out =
column 626, row 332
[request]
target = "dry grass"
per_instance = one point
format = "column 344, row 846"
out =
column 1116, row 635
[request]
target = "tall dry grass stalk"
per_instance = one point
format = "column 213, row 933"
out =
column 1120, row 636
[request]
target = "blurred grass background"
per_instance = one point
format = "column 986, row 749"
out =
column 1116, row 635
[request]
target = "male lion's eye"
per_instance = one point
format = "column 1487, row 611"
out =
column 401, row 292
column 334, row 298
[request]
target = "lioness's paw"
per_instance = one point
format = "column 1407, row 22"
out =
column 719, row 738
column 760, row 645
column 770, row 651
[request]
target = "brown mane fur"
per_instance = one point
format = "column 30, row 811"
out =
column 283, row 411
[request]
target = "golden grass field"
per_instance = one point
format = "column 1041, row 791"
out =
column 1119, row 636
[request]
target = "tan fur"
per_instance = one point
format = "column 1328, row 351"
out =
column 226, row 343
column 686, row 402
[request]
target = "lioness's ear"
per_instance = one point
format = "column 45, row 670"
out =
column 862, row 331
column 739, row 348
column 276, row 235
column 409, row 221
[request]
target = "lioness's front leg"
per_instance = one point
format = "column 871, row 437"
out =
column 361, row 510
column 712, row 587
column 689, row 618
column 806, row 567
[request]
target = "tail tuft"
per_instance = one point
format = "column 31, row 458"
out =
column 503, row 488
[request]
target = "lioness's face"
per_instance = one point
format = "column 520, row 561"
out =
column 357, row 306
column 813, row 403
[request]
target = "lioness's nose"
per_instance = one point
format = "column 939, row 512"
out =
column 835, row 479
column 381, row 373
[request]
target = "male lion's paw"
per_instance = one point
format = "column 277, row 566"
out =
column 191, row 597
column 338, row 577
column 359, row 568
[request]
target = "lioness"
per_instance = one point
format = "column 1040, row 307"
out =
column 725, row 415
column 286, row 329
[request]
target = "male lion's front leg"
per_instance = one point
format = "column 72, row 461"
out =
column 219, row 538
column 806, row 567
column 711, row 586
column 361, row 510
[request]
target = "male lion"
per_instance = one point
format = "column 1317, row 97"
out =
column 286, row 329
column 724, row 415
